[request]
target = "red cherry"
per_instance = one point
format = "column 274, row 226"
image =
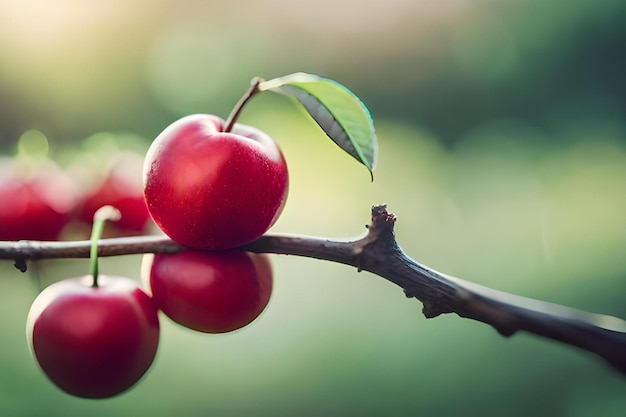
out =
column 36, row 205
column 122, row 189
column 214, row 190
column 93, row 342
column 211, row 292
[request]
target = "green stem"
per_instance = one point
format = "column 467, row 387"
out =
column 234, row 114
column 99, row 218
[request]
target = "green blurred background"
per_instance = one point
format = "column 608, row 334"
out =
column 502, row 135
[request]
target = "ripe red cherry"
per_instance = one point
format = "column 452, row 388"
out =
column 36, row 205
column 93, row 342
column 209, row 189
column 122, row 189
column 211, row 292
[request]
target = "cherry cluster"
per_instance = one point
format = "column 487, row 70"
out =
column 47, row 202
column 208, row 185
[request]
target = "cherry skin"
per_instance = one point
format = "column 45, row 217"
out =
column 209, row 189
column 211, row 292
column 93, row 342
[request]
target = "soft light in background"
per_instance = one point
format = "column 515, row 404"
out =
column 502, row 151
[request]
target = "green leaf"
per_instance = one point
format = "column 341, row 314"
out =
column 340, row 113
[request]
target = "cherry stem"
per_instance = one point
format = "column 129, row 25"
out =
column 100, row 217
column 234, row 114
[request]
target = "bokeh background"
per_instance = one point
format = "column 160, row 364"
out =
column 502, row 136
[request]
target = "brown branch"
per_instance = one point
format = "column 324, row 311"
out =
column 379, row 253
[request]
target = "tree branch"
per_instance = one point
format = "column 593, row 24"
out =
column 379, row 253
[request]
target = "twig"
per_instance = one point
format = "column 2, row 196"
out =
column 379, row 253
